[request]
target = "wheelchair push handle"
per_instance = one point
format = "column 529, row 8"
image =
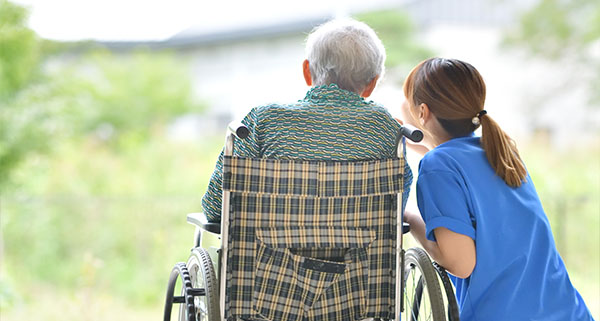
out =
column 241, row 131
column 238, row 129
column 412, row 133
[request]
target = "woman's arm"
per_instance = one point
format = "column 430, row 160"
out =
column 454, row 251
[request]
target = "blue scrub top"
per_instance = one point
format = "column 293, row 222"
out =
column 519, row 274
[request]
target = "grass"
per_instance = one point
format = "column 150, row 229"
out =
column 103, row 223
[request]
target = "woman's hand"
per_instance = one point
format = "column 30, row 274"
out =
column 417, row 229
column 410, row 216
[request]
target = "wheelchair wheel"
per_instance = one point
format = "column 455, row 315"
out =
column 450, row 302
column 202, row 276
column 422, row 295
column 188, row 292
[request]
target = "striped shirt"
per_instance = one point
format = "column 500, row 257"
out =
column 329, row 124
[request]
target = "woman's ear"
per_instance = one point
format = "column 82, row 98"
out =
column 306, row 72
column 424, row 114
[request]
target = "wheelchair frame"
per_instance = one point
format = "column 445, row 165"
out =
column 218, row 234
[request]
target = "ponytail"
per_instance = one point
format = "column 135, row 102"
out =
column 454, row 91
column 501, row 151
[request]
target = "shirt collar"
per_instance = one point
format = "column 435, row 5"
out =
column 458, row 139
column 330, row 93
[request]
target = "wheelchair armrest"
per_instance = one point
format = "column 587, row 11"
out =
column 199, row 219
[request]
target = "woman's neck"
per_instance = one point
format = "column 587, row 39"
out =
column 435, row 135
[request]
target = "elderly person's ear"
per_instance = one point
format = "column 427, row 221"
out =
column 306, row 72
column 370, row 87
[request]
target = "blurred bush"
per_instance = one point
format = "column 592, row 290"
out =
column 89, row 183
column 19, row 52
column 19, row 62
column 122, row 99
column 567, row 32
column 95, row 220
column 119, row 100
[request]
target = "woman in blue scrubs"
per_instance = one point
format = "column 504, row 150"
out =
column 481, row 217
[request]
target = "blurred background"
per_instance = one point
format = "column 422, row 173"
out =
column 112, row 114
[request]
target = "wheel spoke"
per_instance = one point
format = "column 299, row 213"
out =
column 199, row 301
column 422, row 295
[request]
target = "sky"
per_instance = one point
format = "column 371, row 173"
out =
column 123, row 20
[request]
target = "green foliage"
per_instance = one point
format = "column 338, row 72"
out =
column 567, row 32
column 19, row 61
column 120, row 100
column 397, row 32
column 115, row 225
column 555, row 28
column 546, row 29
column 24, row 129
column 82, row 138
column 123, row 98
column 19, row 50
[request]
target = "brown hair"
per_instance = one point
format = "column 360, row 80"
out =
column 454, row 91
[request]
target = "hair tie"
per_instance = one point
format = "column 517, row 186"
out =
column 477, row 119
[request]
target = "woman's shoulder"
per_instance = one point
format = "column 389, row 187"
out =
column 435, row 161
column 453, row 155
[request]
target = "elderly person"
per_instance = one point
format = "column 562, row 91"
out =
column 345, row 59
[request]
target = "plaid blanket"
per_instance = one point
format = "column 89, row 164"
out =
column 311, row 240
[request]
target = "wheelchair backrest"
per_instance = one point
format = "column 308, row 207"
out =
column 311, row 240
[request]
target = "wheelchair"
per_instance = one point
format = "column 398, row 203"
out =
column 308, row 241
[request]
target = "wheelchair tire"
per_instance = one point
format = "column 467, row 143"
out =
column 422, row 293
column 452, row 308
column 202, row 276
column 186, row 299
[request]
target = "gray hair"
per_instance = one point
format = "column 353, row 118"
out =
column 345, row 52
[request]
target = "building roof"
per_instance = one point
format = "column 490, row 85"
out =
column 424, row 12
column 194, row 37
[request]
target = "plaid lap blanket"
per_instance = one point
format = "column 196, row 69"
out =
column 311, row 240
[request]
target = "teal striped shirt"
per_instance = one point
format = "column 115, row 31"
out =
column 328, row 124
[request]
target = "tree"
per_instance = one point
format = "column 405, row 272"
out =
column 19, row 49
column 52, row 92
column 122, row 98
column 19, row 61
column 100, row 114
column 566, row 32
